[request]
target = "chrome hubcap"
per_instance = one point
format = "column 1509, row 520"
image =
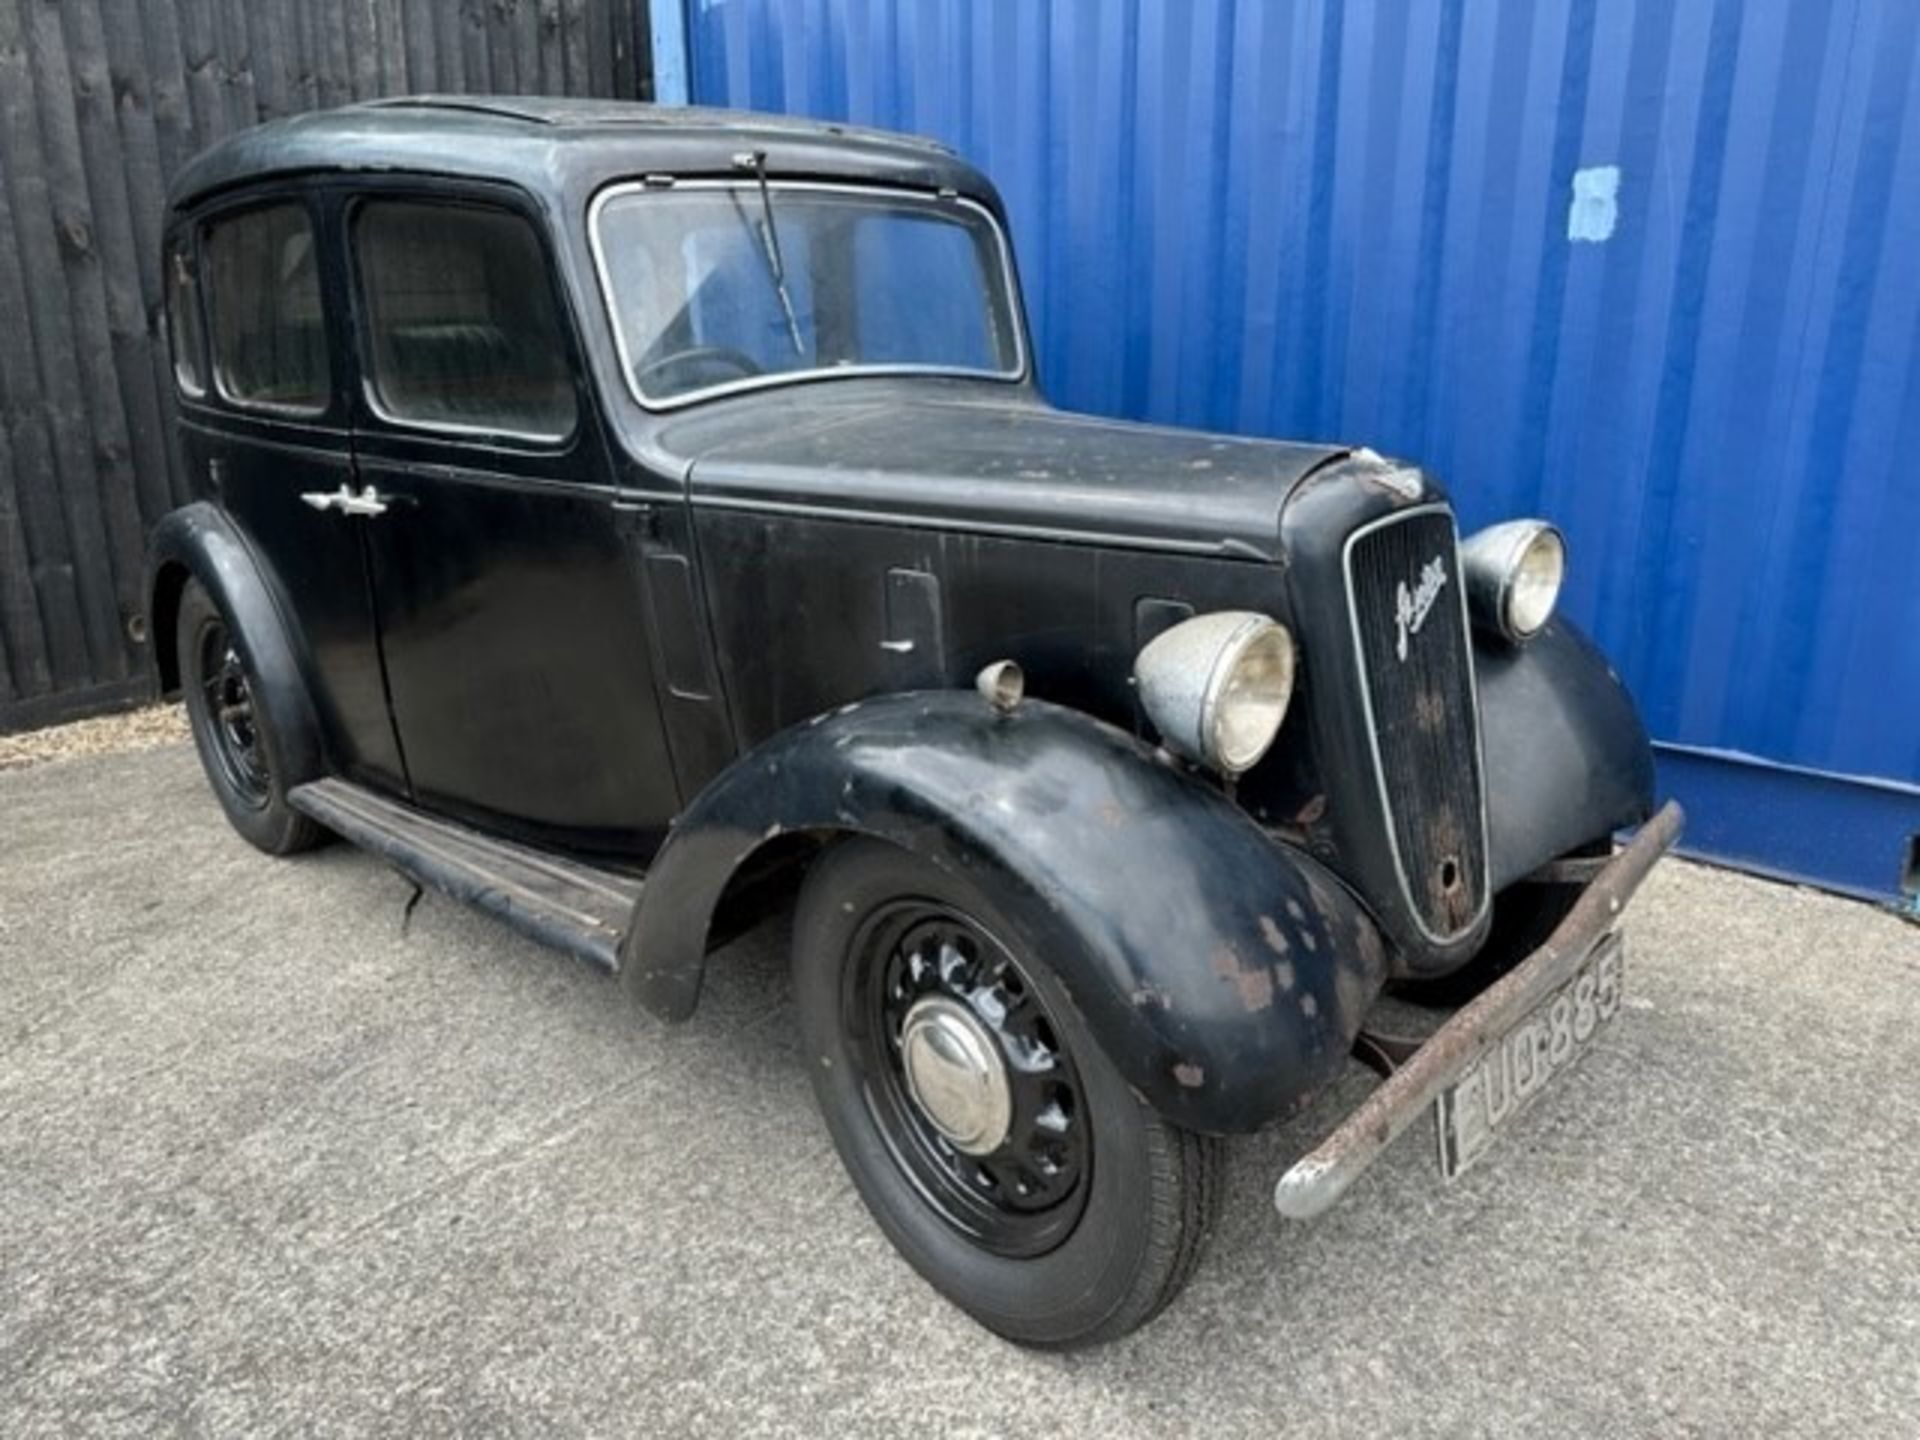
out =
column 956, row 1075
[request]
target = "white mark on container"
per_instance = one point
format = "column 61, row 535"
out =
column 1596, row 204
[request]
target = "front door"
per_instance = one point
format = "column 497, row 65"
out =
column 512, row 627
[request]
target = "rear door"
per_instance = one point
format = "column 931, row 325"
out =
column 514, row 630
column 267, row 433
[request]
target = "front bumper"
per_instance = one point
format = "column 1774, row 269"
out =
column 1318, row 1179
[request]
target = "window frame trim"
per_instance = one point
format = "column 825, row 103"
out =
column 183, row 242
column 296, row 199
column 1010, row 279
column 362, row 313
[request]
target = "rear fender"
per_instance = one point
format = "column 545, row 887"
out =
column 201, row 542
column 1224, row 973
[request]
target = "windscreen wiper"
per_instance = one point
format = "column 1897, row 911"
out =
column 756, row 161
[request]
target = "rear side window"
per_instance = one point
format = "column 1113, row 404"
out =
column 183, row 321
column 462, row 328
column 269, row 330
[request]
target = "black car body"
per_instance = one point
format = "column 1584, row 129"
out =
column 602, row 524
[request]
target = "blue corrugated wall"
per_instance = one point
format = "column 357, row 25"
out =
column 1359, row 222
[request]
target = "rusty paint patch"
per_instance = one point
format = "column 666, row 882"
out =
column 1254, row 982
column 1189, row 1075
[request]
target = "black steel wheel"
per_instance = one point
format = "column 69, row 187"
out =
column 233, row 730
column 928, row 993
column 984, row 1127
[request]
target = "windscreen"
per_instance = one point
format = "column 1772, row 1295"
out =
column 716, row 287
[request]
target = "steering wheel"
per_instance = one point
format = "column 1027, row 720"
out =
column 703, row 365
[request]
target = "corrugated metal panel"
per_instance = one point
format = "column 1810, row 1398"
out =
column 1357, row 221
column 100, row 102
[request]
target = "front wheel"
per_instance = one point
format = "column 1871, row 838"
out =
column 993, row 1141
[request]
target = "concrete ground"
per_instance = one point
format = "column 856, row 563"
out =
column 270, row 1163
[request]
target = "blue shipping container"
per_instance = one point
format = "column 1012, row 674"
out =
column 1649, row 269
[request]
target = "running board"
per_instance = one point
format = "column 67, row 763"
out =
column 577, row 908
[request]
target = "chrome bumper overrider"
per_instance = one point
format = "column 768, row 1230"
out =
column 1319, row 1178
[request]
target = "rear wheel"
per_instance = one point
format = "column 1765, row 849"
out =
column 233, row 732
column 991, row 1138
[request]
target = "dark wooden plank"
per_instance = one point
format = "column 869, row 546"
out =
column 448, row 27
column 333, row 59
column 156, row 29
column 575, row 17
column 76, row 704
column 103, row 277
column 200, row 62
column 502, row 48
column 32, row 320
column 550, row 43
column 621, row 20
column 235, row 42
column 599, row 32
column 476, row 75
column 526, row 45
column 306, row 34
column 363, row 61
column 423, row 47
column 23, row 638
column 273, row 36
column 390, row 45
column 117, row 214
column 71, row 345
column 149, row 411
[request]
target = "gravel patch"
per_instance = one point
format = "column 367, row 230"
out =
column 141, row 729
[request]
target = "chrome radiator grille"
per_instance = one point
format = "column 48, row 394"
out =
column 1416, row 672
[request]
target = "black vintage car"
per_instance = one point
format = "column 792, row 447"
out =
column 640, row 523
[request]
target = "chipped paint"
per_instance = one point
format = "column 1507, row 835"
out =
column 1274, row 936
column 1189, row 1075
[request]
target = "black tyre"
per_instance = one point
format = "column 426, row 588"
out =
column 233, row 733
column 991, row 1138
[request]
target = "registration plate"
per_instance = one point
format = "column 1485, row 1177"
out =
column 1546, row 1043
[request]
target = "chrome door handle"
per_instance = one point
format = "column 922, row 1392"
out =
column 369, row 502
column 327, row 499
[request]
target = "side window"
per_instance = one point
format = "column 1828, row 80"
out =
column 183, row 321
column 269, row 332
column 461, row 324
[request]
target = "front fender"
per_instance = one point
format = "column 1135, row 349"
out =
column 1224, row 973
column 198, row 540
column 1567, row 756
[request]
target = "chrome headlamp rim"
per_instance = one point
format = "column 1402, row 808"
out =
column 1494, row 561
column 1186, row 676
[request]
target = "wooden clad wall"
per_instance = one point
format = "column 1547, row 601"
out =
column 100, row 102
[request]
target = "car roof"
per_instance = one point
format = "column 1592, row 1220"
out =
column 552, row 145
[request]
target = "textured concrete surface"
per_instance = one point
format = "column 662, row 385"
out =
column 270, row 1164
